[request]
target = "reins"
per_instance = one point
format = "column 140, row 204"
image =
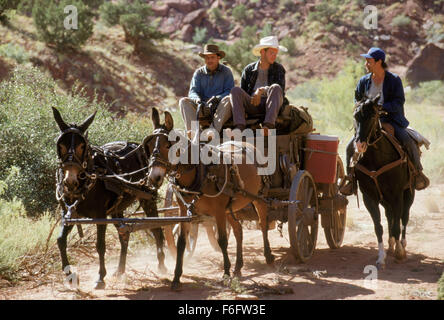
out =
column 375, row 174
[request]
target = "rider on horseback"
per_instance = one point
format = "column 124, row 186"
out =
column 389, row 86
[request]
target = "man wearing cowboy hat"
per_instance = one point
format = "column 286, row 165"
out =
column 211, row 84
column 262, row 86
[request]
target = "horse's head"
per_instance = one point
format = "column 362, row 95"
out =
column 366, row 116
column 72, row 151
column 157, row 146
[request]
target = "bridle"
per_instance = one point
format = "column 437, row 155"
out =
column 71, row 159
column 378, row 134
column 155, row 158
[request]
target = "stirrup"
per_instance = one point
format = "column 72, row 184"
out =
column 346, row 188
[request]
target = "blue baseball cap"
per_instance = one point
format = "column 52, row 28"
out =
column 375, row 53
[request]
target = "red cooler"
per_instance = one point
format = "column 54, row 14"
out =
column 321, row 153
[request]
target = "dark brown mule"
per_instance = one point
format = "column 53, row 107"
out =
column 84, row 190
column 210, row 200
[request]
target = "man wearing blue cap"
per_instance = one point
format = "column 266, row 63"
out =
column 389, row 86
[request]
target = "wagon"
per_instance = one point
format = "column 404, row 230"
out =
column 297, row 195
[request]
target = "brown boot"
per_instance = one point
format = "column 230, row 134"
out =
column 346, row 188
column 421, row 181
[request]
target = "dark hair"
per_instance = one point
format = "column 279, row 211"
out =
column 383, row 64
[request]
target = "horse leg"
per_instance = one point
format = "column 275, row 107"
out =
column 237, row 231
column 408, row 201
column 181, row 243
column 61, row 243
column 221, row 222
column 397, row 210
column 261, row 209
column 101, row 248
column 391, row 238
column 124, row 240
column 151, row 211
column 373, row 207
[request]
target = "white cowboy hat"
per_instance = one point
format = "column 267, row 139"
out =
column 267, row 42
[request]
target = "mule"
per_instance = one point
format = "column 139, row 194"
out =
column 83, row 191
column 384, row 177
column 214, row 201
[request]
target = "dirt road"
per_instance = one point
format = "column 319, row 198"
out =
column 330, row 274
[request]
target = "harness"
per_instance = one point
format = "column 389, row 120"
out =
column 375, row 174
column 93, row 167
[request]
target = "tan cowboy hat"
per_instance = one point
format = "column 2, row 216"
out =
column 267, row 42
column 212, row 49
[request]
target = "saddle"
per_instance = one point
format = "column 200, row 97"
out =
column 419, row 139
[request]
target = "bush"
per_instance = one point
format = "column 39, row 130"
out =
column 401, row 21
column 14, row 51
column 441, row 287
column 430, row 92
column 21, row 238
column 239, row 13
column 239, row 54
column 49, row 19
column 267, row 30
column 133, row 17
column 27, row 142
column 215, row 15
column 200, row 35
column 7, row 5
column 289, row 43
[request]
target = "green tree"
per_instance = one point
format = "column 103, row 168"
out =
column 239, row 54
column 53, row 24
column 240, row 13
column 135, row 17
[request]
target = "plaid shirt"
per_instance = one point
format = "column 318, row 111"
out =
column 276, row 74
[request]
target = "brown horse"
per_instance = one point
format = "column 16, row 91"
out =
column 203, row 196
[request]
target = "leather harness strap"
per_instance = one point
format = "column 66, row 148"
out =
column 375, row 174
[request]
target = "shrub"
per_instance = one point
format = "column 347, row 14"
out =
column 14, row 51
column 27, row 142
column 401, row 21
column 7, row 5
column 289, row 43
column 239, row 54
column 49, row 19
column 441, row 287
column 239, row 13
column 134, row 18
column 21, row 238
column 430, row 92
column 200, row 35
column 215, row 15
column 267, row 30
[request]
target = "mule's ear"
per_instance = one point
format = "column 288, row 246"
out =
column 58, row 118
column 169, row 122
column 156, row 118
column 84, row 126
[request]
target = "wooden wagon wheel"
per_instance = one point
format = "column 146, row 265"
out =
column 303, row 217
column 334, row 234
column 171, row 232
